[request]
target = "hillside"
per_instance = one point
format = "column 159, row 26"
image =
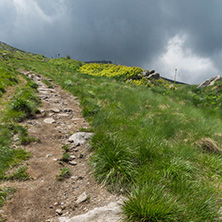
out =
column 155, row 143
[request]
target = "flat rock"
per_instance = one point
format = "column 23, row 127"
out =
column 80, row 138
column 73, row 163
column 49, row 120
column 109, row 213
column 63, row 115
column 82, row 198
column 55, row 110
column 59, row 211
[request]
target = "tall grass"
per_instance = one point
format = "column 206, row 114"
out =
column 145, row 145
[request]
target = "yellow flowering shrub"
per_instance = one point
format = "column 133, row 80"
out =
column 110, row 70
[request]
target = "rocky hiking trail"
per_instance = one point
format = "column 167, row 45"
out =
column 43, row 197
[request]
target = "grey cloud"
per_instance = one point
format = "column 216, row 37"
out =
column 129, row 32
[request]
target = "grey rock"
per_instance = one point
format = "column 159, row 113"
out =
column 80, row 138
column 82, row 198
column 59, row 211
column 73, row 163
column 154, row 76
column 48, row 155
column 210, row 82
column 63, row 115
column 109, row 213
column 49, row 120
column 146, row 73
column 55, row 110
column 72, row 157
column 152, row 71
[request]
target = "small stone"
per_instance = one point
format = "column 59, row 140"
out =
column 49, row 120
column 81, row 155
column 54, row 159
column 63, row 115
column 82, row 198
column 51, row 207
column 55, row 110
column 59, row 211
column 72, row 157
column 74, row 177
column 48, row 155
column 68, row 110
column 56, row 204
column 73, row 163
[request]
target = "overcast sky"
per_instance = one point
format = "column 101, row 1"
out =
column 153, row 34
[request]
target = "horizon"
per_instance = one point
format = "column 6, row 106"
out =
column 150, row 34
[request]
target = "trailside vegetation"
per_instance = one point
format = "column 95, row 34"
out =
column 146, row 140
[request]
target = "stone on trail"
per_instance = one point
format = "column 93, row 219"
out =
column 80, row 138
column 59, row 211
column 73, row 163
column 55, row 110
column 109, row 213
column 49, row 120
column 82, row 198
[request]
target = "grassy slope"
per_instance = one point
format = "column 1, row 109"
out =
column 20, row 103
column 145, row 144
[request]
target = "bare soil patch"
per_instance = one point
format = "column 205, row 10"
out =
column 43, row 198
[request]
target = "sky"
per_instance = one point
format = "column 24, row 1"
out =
column 153, row 34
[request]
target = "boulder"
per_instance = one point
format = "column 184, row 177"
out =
column 109, row 213
column 209, row 82
column 146, row 73
column 155, row 75
column 80, row 138
column 152, row 71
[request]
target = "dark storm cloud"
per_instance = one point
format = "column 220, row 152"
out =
column 143, row 33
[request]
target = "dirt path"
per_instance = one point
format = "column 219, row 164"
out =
column 44, row 198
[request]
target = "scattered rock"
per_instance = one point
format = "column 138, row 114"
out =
column 59, row 211
column 72, row 157
column 171, row 86
column 208, row 144
column 209, row 82
column 109, row 213
column 81, row 155
column 55, row 110
column 63, row 115
column 49, row 120
column 48, row 155
column 82, row 198
column 73, row 163
column 152, row 71
column 80, row 138
column 146, row 73
column 154, row 76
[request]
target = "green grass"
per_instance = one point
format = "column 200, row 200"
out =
column 65, row 173
column 4, row 192
column 22, row 104
column 18, row 174
column 145, row 143
column 47, row 83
